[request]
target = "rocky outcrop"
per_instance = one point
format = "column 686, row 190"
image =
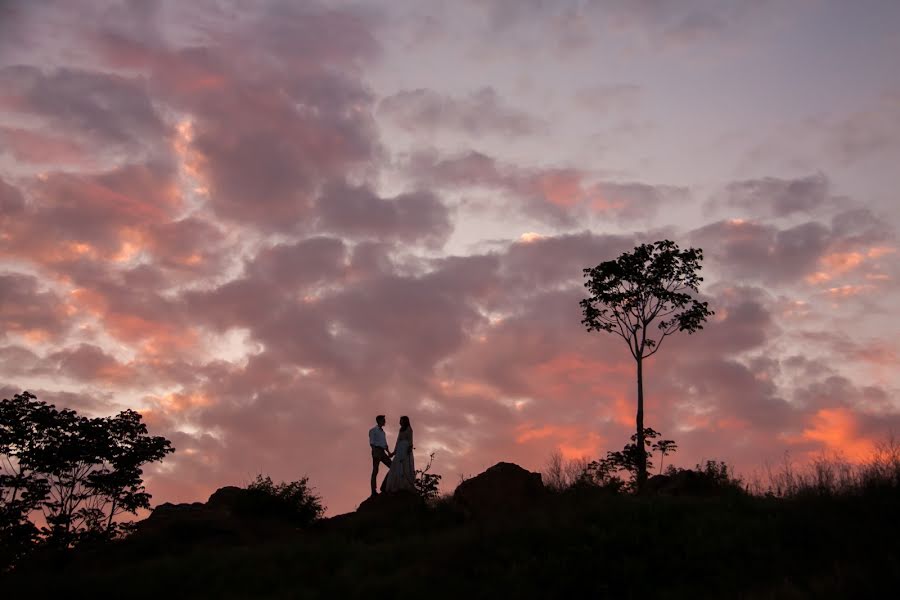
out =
column 381, row 515
column 221, row 518
column 392, row 505
column 503, row 488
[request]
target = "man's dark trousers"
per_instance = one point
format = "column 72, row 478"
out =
column 379, row 455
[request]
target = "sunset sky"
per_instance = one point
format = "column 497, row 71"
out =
column 262, row 223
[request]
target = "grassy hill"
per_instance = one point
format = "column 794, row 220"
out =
column 579, row 541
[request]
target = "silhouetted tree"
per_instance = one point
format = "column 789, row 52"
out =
column 427, row 483
column 23, row 432
column 80, row 472
column 664, row 447
column 628, row 295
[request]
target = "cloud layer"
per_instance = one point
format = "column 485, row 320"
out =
column 206, row 215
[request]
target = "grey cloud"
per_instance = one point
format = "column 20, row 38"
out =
column 558, row 196
column 91, row 208
column 732, row 390
column 743, row 322
column 190, row 244
column 303, row 263
column 861, row 226
column 482, row 112
column 12, row 203
column 780, row 197
column 760, row 252
column 660, row 24
column 866, row 133
column 16, row 361
column 547, row 263
column 87, row 362
column 359, row 212
column 609, row 98
column 98, row 403
column 101, row 107
column 24, row 307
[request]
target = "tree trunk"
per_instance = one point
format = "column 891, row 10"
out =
column 641, row 450
column 112, row 512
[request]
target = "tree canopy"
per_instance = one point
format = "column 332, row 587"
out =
column 648, row 284
column 79, row 472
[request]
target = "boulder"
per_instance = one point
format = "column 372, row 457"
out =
column 392, row 505
column 224, row 517
column 228, row 499
column 502, row 488
column 380, row 516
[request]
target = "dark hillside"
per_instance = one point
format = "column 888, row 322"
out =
column 583, row 541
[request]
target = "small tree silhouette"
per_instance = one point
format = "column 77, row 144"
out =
column 427, row 483
column 604, row 472
column 630, row 293
column 664, row 447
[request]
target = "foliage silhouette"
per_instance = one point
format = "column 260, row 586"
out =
column 80, row 472
column 293, row 501
column 427, row 483
column 664, row 447
column 560, row 474
column 605, row 472
column 628, row 294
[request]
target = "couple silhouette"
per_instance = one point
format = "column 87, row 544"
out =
column 401, row 465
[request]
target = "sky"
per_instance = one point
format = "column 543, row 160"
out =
column 261, row 224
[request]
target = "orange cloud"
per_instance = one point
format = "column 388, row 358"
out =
column 846, row 291
column 177, row 403
column 570, row 439
column 839, row 263
column 838, row 430
column 624, row 411
column 560, row 188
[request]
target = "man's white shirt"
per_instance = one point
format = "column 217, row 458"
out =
column 377, row 438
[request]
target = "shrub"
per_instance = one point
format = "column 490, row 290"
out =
column 605, row 472
column 295, row 501
column 560, row 474
column 427, row 483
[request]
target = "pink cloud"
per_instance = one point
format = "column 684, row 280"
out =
column 209, row 241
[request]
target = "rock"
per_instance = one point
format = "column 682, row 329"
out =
column 380, row 516
column 502, row 488
column 392, row 505
column 224, row 517
column 186, row 523
column 227, row 498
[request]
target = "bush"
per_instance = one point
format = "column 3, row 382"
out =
column 427, row 483
column 711, row 478
column 295, row 502
column 605, row 473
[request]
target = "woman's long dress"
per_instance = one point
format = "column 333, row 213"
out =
column 402, row 474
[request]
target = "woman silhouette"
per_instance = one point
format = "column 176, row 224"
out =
column 402, row 474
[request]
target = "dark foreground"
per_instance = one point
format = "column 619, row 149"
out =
column 581, row 543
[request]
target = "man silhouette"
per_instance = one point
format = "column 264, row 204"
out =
column 380, row 452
